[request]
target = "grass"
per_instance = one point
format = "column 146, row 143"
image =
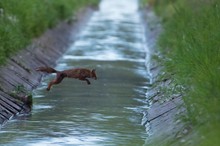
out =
column 191, row 51
column 23, row 20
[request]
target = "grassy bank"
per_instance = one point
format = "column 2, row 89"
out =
column 191, row 55
column 23, row 20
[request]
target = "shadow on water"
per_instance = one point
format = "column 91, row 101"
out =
column 107, row 112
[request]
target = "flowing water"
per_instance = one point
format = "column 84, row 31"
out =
column 107, row 112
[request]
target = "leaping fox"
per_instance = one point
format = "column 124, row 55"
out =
column 77, row 73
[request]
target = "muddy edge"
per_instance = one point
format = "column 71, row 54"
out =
column 19, row 70
column 161, row 117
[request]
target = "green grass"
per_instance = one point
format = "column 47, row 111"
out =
column 191, row 51
column 23, row 20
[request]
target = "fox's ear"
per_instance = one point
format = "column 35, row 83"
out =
column 93, row 70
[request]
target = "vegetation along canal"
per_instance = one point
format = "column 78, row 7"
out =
column 107, row 112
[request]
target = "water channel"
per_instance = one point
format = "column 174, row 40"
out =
column 107, row 112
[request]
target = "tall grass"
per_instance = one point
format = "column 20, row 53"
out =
column 22, row 20
column 191, row 48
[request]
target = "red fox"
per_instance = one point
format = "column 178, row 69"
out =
column 77, row 73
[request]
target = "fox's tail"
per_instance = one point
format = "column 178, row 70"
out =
column 46, row 69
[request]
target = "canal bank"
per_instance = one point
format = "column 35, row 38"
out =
column 18, row 76
column 163, row 118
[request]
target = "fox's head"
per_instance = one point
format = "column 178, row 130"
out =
column 93, row 74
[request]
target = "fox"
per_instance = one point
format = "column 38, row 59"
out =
column 78, row 73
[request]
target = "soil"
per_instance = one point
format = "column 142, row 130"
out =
column 18, row 76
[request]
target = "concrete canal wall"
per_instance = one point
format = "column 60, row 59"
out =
column 161, row 117
column 18, row 76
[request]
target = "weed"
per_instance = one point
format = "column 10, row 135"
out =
column 23, row 20
column 191, row 53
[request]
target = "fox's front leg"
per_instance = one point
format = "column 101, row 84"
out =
column 88, row 82
column 84, row 79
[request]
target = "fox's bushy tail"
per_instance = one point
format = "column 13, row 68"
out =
column 46, row 69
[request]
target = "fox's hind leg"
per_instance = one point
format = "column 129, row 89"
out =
column 51, row 84
column 58, row 80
